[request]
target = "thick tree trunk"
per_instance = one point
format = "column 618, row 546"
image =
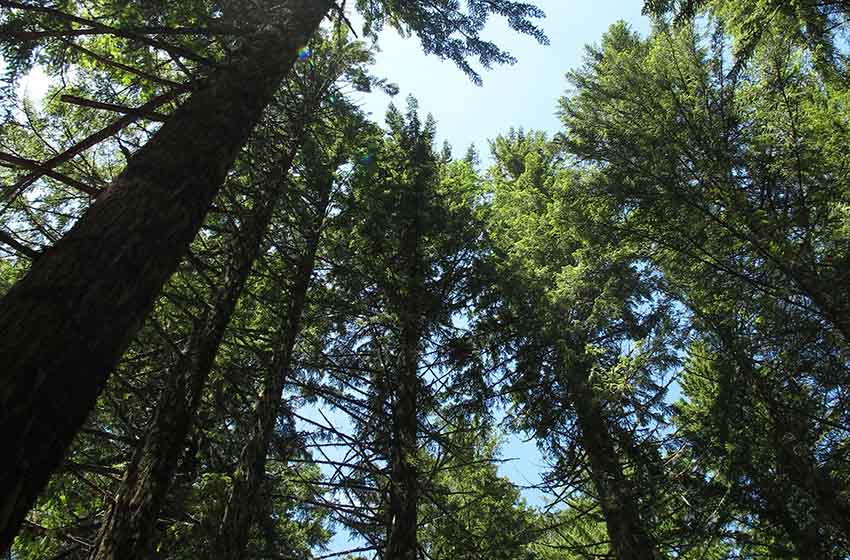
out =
column 65, row 325
column 239, row 514
column 629, row 538
column 402, row 541
column 128, row 527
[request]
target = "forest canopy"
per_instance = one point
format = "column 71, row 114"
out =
column 242, row 318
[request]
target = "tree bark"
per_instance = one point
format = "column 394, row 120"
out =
column 66, row 324
column 239, row 513
column 128, row 527
column 629, row 538
column 402, row 543
column 804, row 536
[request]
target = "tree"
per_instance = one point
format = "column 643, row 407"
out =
column 747, row 160
column 130, row 521
column 566, row 301
column 320, row 172
column 67, row 343
column 471, row 511
column 725, row 180
column 403, row 246
column 816, row 26
column 73, row 320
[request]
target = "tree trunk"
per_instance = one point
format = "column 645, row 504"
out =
column 805, row 536
column 67, row 322
column 796, row 470
column 798, row 473
column 402, row 541
column 128, row 527
column 234, row 530
column 629, row 538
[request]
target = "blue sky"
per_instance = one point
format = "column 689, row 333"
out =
column 523, row 95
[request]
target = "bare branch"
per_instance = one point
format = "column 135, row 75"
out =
column 151, row 115
column 92, row 140
column 19, row 247
column 46, row 171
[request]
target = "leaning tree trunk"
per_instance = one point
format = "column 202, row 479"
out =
column 235, row 527
column 797, row 472
column 629, row 538
column 402, row 541
column 128, row 527
column 64, row 326
column 803, row 534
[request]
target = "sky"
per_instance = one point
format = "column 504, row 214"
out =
column 523, row 95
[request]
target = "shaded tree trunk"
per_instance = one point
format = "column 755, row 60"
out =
column 629, row 538
column 805, row 537
column 402, row 543
column 67, row 322
column 795, row 462
column 796, row 469
column 128, row 527
column 239, row 513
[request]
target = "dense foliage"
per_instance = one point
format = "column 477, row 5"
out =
column 656, row 295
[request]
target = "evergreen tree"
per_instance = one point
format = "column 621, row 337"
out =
column 142, row 225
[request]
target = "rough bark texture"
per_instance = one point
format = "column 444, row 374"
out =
column 629, row 538
column 404, row 483
column 128, row 527
column 239, row 514
column 65, row 325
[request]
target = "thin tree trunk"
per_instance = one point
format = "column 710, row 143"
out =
column 128, row 527
column 402, row 543
column 239, row 513
column 629, row 538
column 64, row 326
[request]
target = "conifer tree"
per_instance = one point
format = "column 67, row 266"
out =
column 71, row 319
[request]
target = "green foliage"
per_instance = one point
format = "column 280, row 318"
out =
column 471, row 511
column 451, row 33
column 657, row 294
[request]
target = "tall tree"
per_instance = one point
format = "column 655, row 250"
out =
column 130, row 520
column 72, row 320
column 566, row 302
column 321, row 174
column 725, row 179
column 403, row 248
